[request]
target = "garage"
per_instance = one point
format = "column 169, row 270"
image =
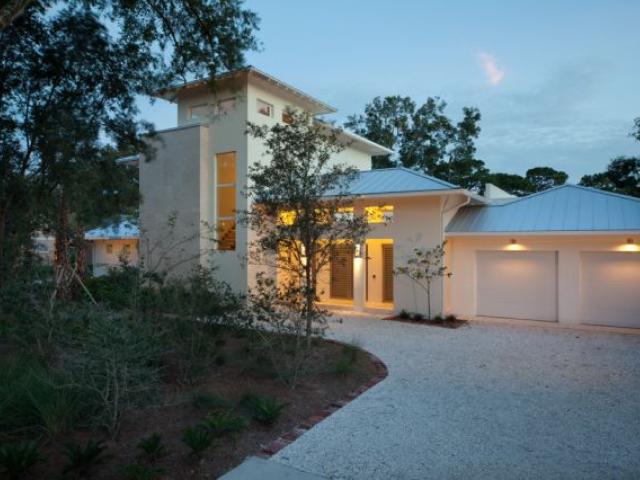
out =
column 610, row 288
column 517, row 284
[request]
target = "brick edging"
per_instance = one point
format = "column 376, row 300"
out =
column 292, row 435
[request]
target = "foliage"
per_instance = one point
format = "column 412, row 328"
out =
column 622, row 176
column 263, row 408
column 225, row 422
column 81, row 459
column 138, row 471
column 209, row 401
column 543, row 178
column 418, row 317
column 346, row 361
column 198, row 438
column 16, row 459
column 423, row 268
column 404, row 314
column 152, row 447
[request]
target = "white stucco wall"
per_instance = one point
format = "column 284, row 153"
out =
column 461, row 288
column 101, row 260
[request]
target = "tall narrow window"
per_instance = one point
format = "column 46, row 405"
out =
column 226, row 200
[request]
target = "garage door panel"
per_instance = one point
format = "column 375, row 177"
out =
column 517, row 285
column 610, row 288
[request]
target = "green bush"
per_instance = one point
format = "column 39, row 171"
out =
column 81, row 459
column 346, row 361
column 138, row 471
column 198, row 439
column 209, row 401
column 152, row 447
column 263, row 408
column 418, row 317
column 404, row 314
column 223, row 422
column 16, row 459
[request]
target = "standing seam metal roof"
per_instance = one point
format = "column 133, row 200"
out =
column 566, row 208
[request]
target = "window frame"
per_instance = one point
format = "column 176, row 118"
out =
column 259, row 103
column 231, row 100
column 199, row 117
column 229, row 185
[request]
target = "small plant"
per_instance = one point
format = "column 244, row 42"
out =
column 209, row 401
column 225, row 422
column 450, row 318
column 152, row 447
column 404, row 315
column 438, row 319
column 418, row 317
column 198, row 439
column 347, row 360
column 138, row 471
column 16, row 459
column 81, row 459
column 264, row 409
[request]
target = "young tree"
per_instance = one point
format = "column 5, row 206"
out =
column 424, row 267
column 298, row 213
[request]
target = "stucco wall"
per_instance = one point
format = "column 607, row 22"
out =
column 102, row 260
column 461, row 295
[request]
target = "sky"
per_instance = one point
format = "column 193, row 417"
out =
column 557, row 82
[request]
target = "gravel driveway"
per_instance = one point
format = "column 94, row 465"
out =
column 483, row 401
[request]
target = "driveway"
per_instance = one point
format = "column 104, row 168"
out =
column 483, row 401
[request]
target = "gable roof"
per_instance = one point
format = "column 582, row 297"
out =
column 386, row 181
column 126, row 229
column 568, row 208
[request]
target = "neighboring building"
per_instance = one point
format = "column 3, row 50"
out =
column 568, row 254
column 112, row 245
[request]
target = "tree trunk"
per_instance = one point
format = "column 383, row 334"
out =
column 81, row 251
column 62, row 247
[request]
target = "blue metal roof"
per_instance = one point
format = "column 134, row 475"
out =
column 567, row 208
column 394, row 180
column 126, row 229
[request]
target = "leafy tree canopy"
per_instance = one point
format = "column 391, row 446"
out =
column 621, row 176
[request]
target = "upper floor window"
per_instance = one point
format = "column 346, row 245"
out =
column 344, row 214
column 265, row 108
column 379, row 214
column 109, row 248
column 226, row 200
column 226, row 106
column 287, row 117
column 199, row 112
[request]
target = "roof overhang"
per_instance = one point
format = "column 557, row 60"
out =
column 417, row 193
column 582, row 233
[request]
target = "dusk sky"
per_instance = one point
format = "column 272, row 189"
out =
column 557, row 83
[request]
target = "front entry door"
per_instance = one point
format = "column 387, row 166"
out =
column 387, row 272
column 342, row 272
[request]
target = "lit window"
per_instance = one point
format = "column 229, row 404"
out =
column 226, row 200
column 109, row 248
column 265, row 108
column 288, row 217
column 381, row 214
column 344, row 214
column 226, row 106
column 126, row 249
column 287, row 117
column 199, row 112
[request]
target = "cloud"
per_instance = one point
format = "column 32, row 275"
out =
column 492, row 71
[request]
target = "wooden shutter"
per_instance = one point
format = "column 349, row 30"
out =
column 342, row 271
column 387, row 272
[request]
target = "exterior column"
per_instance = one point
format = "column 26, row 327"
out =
column 359, row 284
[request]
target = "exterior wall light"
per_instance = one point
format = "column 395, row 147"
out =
column 357, row 252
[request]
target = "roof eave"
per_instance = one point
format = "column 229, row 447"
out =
column 542, row 233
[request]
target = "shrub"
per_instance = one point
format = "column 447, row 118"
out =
column 198, row 439
column 224, row 422
column 138, row 471
column 404, row 314
column 16, row 459
column 209, row 401
column 418, row 317
column 263, row 408
column 152, row 447
column 346, row 361
column 82, row 458
column 437, row 319
column 450, row 318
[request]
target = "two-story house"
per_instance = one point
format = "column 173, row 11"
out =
column 569, row 254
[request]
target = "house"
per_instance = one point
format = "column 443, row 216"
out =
column 112, row 245
column 567, row 255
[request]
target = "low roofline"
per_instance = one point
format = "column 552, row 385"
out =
column 413, row 193
column 372, row 147
column 535, row 233
column 169, row 93
column 119, row 237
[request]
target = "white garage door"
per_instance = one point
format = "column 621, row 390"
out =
column 610, row 288
column 517, row 285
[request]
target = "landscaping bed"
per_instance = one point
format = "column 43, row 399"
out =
column 449, row 321
column 335, row 372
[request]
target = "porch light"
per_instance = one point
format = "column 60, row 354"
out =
column 357, row 252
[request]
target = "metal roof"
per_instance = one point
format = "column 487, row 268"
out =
column 385, row 181
column 126, row 229
column 568, row 208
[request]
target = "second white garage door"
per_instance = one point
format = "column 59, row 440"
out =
column 517, row 285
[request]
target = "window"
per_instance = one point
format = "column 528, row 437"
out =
column 126, row 249
column 265, row 108
column 199, row 112
column 344, row 214
column 226, row 200
column 226, row 105
column 287, row 217
column 379, row 214
column 109, row 248
column 287, row 117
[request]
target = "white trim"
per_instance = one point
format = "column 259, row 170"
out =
column 543, row 233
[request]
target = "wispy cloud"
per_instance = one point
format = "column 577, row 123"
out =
column 492, row 71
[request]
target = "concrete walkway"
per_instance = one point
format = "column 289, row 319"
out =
column 483, row 401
